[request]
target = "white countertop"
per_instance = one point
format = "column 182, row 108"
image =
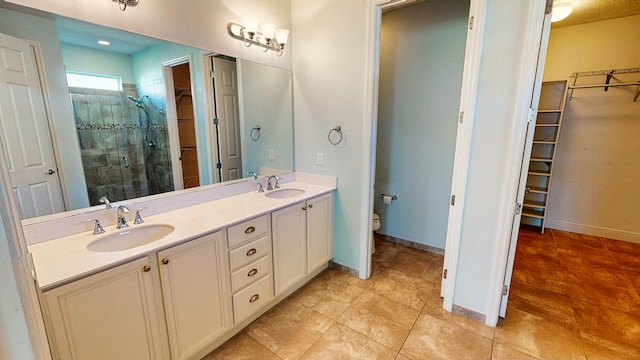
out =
column 65, row 259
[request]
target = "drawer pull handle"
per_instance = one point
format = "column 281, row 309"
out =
column 310, row 206
column 249, row 230
column 251, row 252
column 254, row 298
column 165, row 261
column 146, row 268
column 252, row 272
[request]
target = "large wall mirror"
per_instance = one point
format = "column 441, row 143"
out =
column 153, row 116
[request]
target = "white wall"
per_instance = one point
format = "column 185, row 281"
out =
column 99, row 62
column 64, row 132
column 329, row 89
column 595, row 182
column 422, row 58
column 266, row 99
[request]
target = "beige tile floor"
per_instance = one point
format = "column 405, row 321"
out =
column 573, row 297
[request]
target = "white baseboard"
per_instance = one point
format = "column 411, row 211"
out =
column 616, row 234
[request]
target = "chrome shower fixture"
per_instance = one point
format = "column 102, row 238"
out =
column 139, row 102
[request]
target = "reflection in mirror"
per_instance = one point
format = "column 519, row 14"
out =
column 153, row 132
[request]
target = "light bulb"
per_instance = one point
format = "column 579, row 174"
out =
column 282, row 35
column 560, row 11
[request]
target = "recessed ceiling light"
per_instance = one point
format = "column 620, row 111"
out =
column 560, row 11
column 104, row 42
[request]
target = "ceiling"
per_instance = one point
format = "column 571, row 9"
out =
column 83, row 34
column 586, row 11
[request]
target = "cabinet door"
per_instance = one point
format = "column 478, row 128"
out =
column 289, row 246
column 195, row 294
column 319, row 231
column 110, row 315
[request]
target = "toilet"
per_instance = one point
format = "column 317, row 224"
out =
column 374, row 226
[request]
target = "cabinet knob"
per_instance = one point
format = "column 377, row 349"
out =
column 165, row 261
column 252, row 272
column 251, row 252
column 254, row 298
column 304, row 208
column 310, row 206
column 249, row 230
column 146, row 268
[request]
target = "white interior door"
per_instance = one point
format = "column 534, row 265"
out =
column 535, row 99
column 226, row 97
column 25, row 132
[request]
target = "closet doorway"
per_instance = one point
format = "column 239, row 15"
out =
column 183, row 128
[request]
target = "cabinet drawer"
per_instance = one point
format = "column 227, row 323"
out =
column 250, row 273
column 247, row 230
column 248, row 253
column 252, row 298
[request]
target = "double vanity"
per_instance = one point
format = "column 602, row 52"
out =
column 185, row 280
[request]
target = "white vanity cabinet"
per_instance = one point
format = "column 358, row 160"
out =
column 195, row 292
column 302, row 240
column 250, row 266
column 118, row 313
column 110, row 315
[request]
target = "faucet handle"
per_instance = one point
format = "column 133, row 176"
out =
column 97, row 228
column 138, row 218
column 105, row 200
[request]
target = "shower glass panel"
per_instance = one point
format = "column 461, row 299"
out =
column 123, row 142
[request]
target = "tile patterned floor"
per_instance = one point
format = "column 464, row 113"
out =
column 572, row 297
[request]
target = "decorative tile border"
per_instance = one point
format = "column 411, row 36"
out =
column 111, row 127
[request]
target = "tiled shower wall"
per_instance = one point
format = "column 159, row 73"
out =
column 111, row 129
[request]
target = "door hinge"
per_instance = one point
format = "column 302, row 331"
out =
column 518, row 209
column 216, row 121
column 532, row 115
column 453, row 200
column 505, row 290
column 461, row 117
column 212, row 73
column 549, row 7
column 444, row 274
column 219, row 166
column 471, row 23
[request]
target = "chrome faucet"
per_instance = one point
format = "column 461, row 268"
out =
column 253, row 173
column 276, row 185
column 104, row 200
column 122, row 220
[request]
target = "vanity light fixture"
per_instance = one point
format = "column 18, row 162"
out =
column 263, row 34
column 122, row 4
column 561, row 11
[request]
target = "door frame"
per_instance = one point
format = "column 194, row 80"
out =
column 527, row 90
column 37, row 55
column 524, row 164
column 468, row 96
column 172, row 119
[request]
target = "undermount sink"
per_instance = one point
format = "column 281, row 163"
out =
column 130, row 238
column 284, row 193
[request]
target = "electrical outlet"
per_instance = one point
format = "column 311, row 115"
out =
column 319, row 159
column 272, row 154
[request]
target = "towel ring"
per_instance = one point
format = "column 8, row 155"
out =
column 337, row 129
column 255, row 133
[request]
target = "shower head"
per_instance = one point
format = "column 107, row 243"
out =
column 138, row 102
